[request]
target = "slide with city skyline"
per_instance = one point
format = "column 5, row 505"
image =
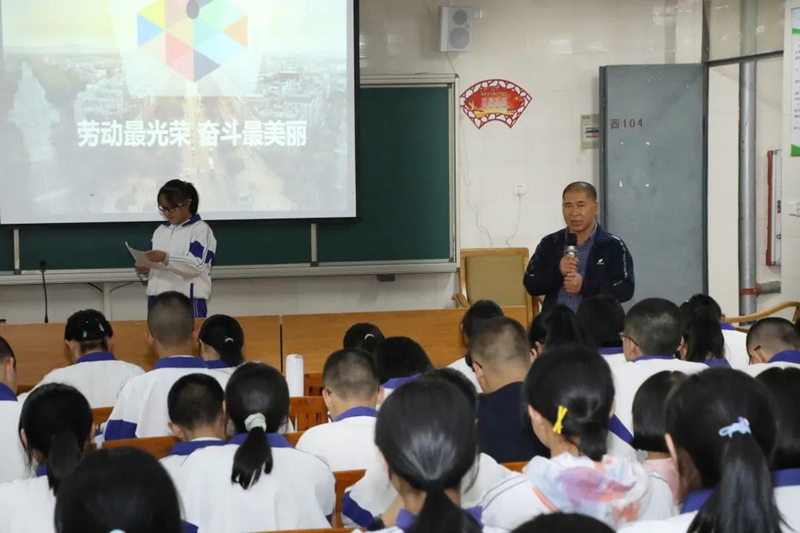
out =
column 102, row 101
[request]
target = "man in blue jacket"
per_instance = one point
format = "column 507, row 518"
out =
column 601, row 263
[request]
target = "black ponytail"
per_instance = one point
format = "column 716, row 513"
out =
column 427, row 434
column 703, row 335
column 175, row 192
column 735, row 465
column 57, row 421
column 577, row 379
column 226, row 336
column 255, row 389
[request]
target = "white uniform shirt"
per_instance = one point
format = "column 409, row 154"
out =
column 735, row 347
column 346, row 444
column 141, row 409
column 27, row 506
column 613, row 356
column 191, row 249
column 394, row 383
column 374, row 493
column 788, row 359
column 98, row 376
column 12, row 464
column 517, row 499
column 405, row 520
column 630, row 376
column 298, row 493
column 462, row 366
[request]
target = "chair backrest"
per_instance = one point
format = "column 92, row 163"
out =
column 307, row 411
column 515, row 467
column 100, row 415
column 745, row 320
column 158, row 447
column 313, row 384
column 294, row 438
column 344, row 480
column 497, row 275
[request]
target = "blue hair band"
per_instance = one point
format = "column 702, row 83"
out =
column 85, row 334
column 742, row 426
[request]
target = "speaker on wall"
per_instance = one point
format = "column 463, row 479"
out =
column 456, row 29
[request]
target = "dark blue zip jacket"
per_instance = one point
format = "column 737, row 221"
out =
column 609, row 269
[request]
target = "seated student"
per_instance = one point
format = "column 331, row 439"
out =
column 141, row 409
column 374, row 496
column 222, row 343
column 56, row 427
column 735, row 341
column 118, row 490
column 649, row 427
column 501, row 358
column 557, row 328
column 257, row 481
column 400, row 360
column 95, row 372
column 197, row 417
column 480, row 310
column 602, row 319
column 563, row 523
column 784, row 384
column 570, row 396
column 703, row 341
column 426, row 434
column 12, row 466
column 362, row 336
column 772, row 342
column 723, row 451
column 351, row 393
column 653, row 333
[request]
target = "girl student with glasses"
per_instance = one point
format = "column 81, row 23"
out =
column 183, row 247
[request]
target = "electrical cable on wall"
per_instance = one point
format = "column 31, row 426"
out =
column 516, row 225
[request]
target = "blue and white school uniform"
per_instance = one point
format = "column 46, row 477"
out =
column 630, row 376
column 298, row 493
column 141, row 408
column 218, row 365
column 787, row 494
column 191, row 250
column 613, row 356
column 346, row 444
column 12, row 465
column 735, row 347
column 374, row 493
column 462, row 366
column 615, row 491
column 99, row 376
column 787, row 359
column 394, row 383
column 27, row 506
column 405, row 520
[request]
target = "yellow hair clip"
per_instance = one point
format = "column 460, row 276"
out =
column 559, row 425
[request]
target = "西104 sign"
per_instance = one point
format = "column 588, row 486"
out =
column 626, row 123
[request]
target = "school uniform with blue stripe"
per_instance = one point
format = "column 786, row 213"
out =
column 787, row 494
column 99, row 376
column 12, row 465
column 346, row 444
column 27, row 505
column 405, row 520
column 191, row 250
column 298, row 493
column 787, row 359
column 141, row 409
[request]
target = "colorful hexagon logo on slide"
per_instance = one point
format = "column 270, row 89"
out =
column 192, row 37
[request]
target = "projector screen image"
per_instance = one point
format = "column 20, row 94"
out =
column 103, row 101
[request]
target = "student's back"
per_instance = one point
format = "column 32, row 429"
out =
column 478, row 312
column 57, row 422
column 653, row 333
column 772, row 343
column 95, row 372
column 256, row 482
column 12, row 465
column 352, row 392
column 141, row 409
column 222, row 343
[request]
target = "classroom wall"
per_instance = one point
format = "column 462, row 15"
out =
column 791, row 169
column 552, row 48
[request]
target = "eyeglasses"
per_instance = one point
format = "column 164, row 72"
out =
column 622, row 337
column 169, row 209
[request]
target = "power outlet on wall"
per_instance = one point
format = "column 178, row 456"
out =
column 520, row 189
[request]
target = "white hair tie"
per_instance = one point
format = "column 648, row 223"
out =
column 369, row 336
column 117, row 531
column 229, row 339
column 256, row 420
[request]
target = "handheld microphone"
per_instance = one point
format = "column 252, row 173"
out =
column 572, row 246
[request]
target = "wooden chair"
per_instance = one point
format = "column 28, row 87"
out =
column 22, row 389
column 307, row 411
column 495, row 274
column 313, row 384
column 766, row 313
column 344, row 480
column 294, row 438
column 158, row 447
column 100, row 415
column 515, row 467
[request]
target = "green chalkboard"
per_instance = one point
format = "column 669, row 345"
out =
column 403, row 203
